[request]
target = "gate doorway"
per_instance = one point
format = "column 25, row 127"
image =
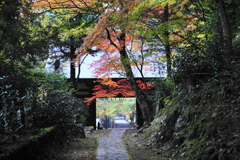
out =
column 119, row 112
column 84, row 90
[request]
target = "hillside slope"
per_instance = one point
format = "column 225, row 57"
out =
column 202, row 122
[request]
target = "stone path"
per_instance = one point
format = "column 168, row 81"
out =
column 112, row 148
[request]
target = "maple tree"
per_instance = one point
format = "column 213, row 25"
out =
column 116, row 40
column 112, row 35
column 109, row 88
column 153, row 25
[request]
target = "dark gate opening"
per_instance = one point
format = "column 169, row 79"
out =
column 84, row 90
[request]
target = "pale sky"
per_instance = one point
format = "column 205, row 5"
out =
column 87, row 70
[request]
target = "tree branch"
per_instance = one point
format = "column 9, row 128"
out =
column 203, row 13
column 110, row 39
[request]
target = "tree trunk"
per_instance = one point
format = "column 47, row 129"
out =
column 146, row 110
column 166, row 43
column 72, row 66
column 2, row 117
column 226, row 27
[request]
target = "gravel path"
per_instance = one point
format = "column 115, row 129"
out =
column 112, row 148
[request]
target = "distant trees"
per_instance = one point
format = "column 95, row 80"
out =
column 113, row 106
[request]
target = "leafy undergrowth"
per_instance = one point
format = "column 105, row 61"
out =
column 138, row 148
column 79, row 148
column 82, row 148
column 76, row 149
column 11, row 142
column 7, row 143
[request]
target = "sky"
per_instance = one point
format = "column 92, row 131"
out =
column 87, row 69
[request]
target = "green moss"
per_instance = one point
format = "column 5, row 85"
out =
column 42, row 130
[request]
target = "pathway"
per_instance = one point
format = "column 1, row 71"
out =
column 123, row 124
column 112, row 148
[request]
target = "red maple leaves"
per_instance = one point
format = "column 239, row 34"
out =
column 109, row 88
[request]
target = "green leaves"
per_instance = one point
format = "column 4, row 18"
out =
column 55, row 82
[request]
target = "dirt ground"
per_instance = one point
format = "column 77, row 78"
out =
column 138, row 148
column 82, row 148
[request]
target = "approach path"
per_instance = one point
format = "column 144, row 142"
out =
column 112, row 147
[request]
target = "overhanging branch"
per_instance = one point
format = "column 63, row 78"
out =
column 110, row 39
